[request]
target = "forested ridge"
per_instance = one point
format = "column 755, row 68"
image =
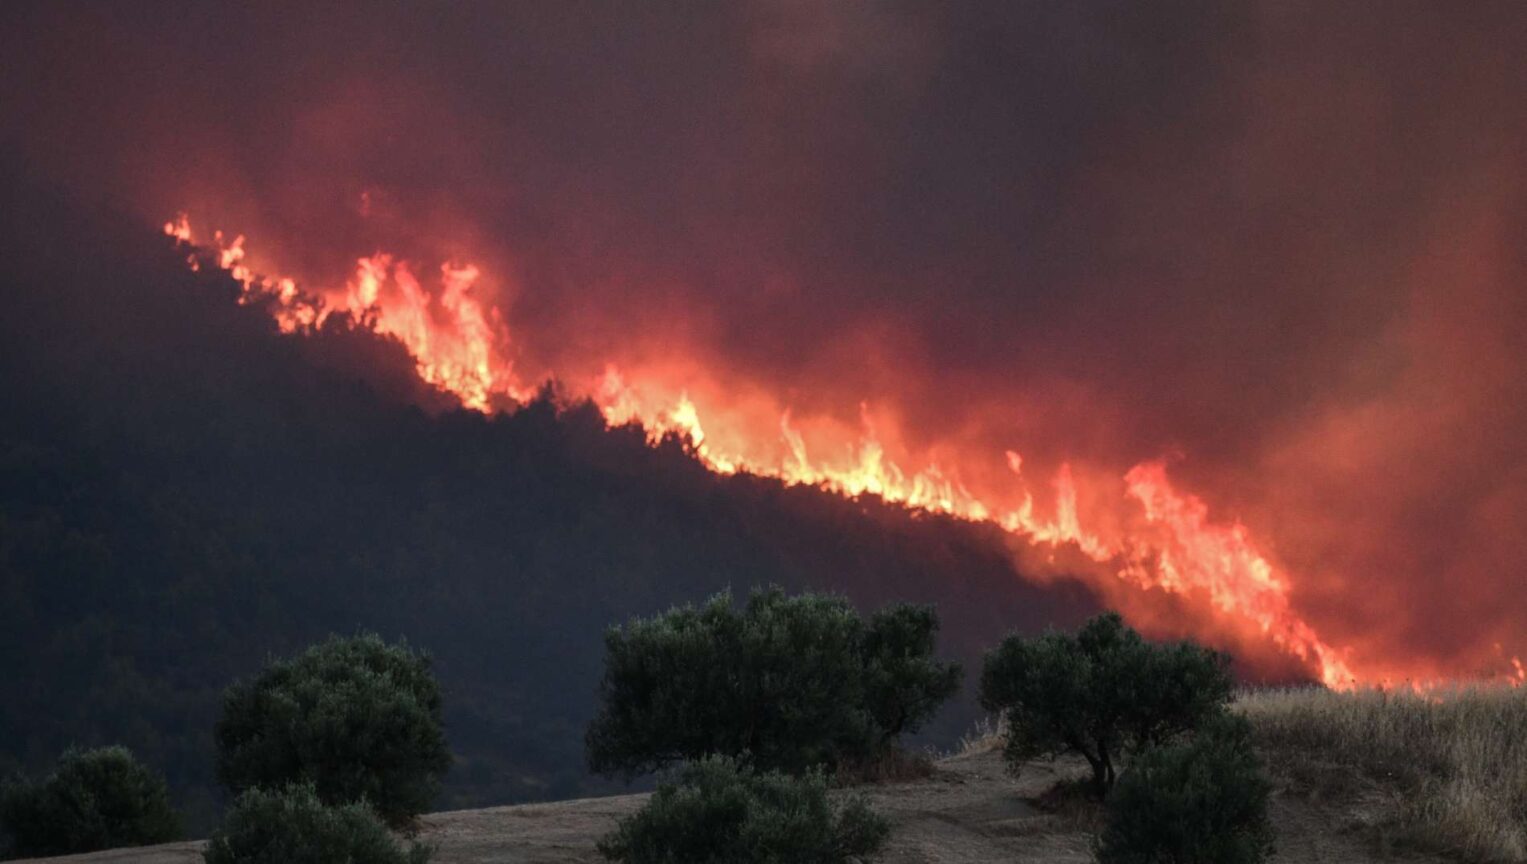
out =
column 184, row 493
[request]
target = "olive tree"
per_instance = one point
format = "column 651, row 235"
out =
column 94, row 799
column 787, row 682
column 1103, row 693
column 356, row 717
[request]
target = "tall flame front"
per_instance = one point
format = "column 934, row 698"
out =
column 1158, row 537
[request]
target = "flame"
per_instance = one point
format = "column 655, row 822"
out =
column 1159, row 538
column 456, row 343
column 1222, row 562
column 179, row 228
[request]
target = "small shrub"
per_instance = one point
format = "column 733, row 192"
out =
column 357, row 718
column 293, row 826
column 1103, row 693
column 1202, row 801
column 792, row 682
column 722, row 811
column 94, row 799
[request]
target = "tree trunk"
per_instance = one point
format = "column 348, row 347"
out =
column 1102, row 772
column 1099, row 773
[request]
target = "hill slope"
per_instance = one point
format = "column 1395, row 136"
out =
column 184, row 492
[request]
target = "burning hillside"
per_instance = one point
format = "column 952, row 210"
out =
column 1161, row 539
column 1216, row 310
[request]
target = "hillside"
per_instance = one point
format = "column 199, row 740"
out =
column 184, row 492
column 968, row 812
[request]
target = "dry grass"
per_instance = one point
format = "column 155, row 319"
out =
column 989, row 733
column 1445, row 771
column 895, row 765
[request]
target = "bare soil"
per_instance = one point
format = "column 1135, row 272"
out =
column 969, row 810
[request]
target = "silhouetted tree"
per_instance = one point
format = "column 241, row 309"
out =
column 1102, row 693
column 357, row 718
column 787, row 682
column 93, row 799
column 904, row 684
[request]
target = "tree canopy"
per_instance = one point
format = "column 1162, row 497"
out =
column 357, row 718
column 785, row 682
column 1103, row 692
column 93, row 799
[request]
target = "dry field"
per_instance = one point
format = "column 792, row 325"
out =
column 1359, row 777
column 967, row 811
column 1444, row 771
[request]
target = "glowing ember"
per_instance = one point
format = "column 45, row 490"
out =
column 1168, row 541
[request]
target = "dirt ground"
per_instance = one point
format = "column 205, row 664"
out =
column 970, row 810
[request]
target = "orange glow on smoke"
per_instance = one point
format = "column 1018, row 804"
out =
column 1156, row 537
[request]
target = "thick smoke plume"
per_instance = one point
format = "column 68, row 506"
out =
column 1278, row 246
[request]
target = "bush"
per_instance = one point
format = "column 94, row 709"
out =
column 357, row 718
column 293, row 826
column 788, row 682
column 1103, row 693
column 1450, row 764
column 1203, row 801
column 94, row 799
column 722, row 811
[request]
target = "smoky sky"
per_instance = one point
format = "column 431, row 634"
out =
column 1280, row 244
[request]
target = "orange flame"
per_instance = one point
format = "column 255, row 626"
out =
column 1222, row 562
column 461, row 346
column 454, row 341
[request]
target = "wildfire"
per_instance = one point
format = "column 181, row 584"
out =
column 463, row 347
column 455, row 342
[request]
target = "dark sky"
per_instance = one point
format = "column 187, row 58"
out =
column 1280, row 244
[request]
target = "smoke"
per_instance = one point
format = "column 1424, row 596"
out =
column 1277, row 245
